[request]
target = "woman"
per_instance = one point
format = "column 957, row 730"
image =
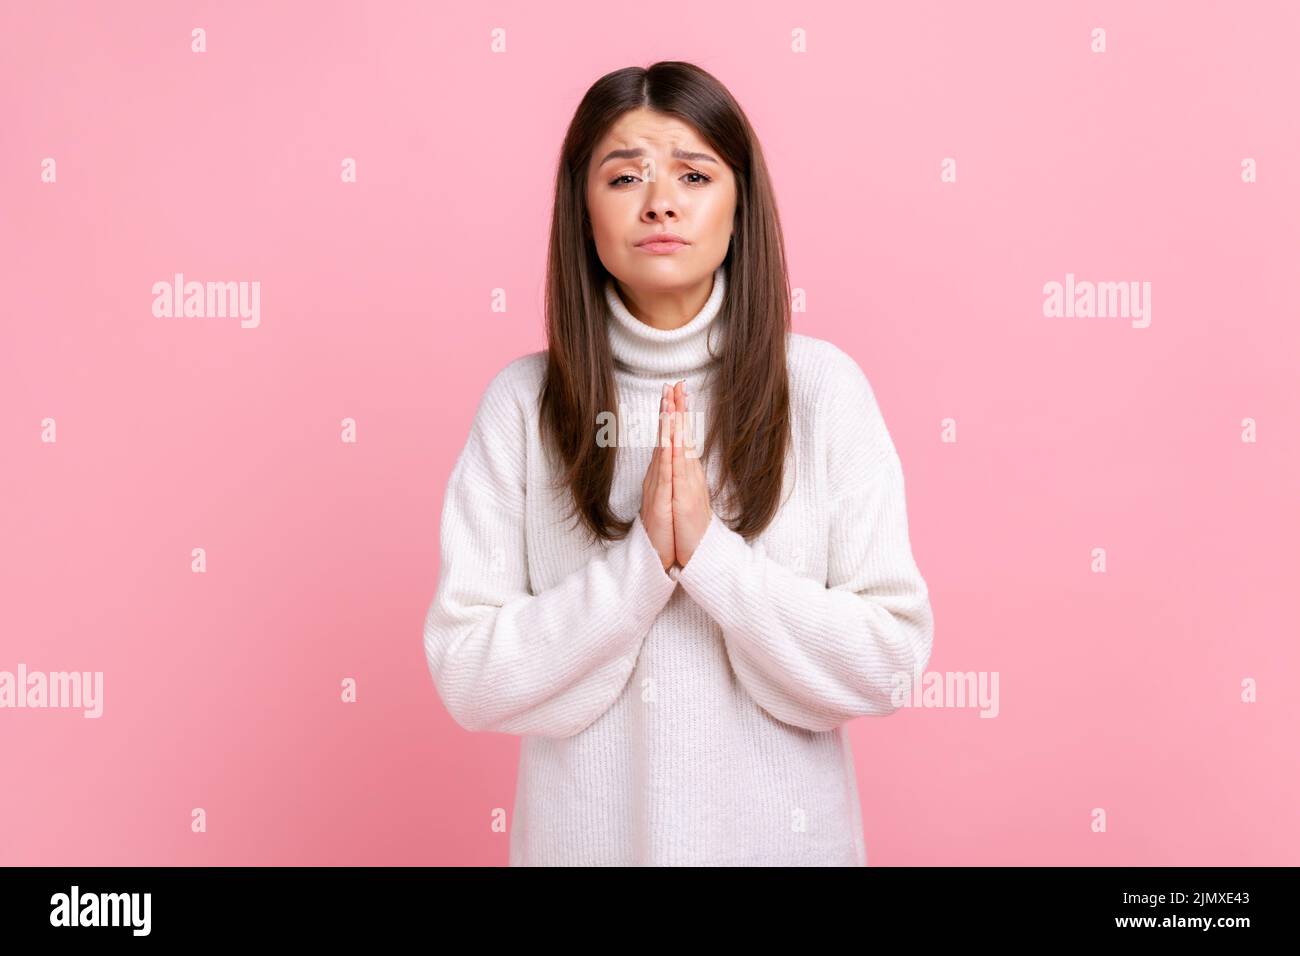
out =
column 679, row 630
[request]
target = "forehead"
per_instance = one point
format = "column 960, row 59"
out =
column 643, row 127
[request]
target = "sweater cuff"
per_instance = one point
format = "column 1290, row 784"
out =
column 709, row 574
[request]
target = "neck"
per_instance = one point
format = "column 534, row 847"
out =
column 666, row 309
column 669, row 334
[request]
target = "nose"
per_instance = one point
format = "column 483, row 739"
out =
column 660, row 205
column 659, row 211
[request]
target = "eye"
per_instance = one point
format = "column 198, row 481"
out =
column 703, row 179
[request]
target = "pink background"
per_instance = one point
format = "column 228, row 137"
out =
column 222, row 690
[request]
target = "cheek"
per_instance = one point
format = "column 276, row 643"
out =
column 597, row 207
column 721, row 210
column 607, row 214
column 603, row 228
column 717, row 219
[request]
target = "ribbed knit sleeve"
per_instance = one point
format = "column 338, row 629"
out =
column 817, row 656
column 502, row 658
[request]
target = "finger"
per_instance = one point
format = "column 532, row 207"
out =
column 663, row 431
column 690, row 439
column 679, row 462
column 679, row 403
column 680, row 399
column 652, row 471
column 665, row 437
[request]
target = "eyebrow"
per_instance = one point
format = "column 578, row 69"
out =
column 678, row 153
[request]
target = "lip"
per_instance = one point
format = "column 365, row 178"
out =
column 662, row 242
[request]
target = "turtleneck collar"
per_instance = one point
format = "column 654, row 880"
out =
column 643, row 349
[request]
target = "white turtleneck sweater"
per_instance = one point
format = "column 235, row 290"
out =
column 696, row 716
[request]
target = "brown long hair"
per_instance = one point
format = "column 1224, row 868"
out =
column 752, row 425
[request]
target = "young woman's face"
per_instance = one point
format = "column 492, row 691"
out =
column 662, row 177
